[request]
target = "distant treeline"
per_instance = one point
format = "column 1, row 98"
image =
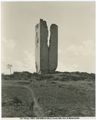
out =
column 62, row 76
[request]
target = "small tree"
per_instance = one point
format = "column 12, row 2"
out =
column 9, row 66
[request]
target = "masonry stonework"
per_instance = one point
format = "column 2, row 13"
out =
column 43, row 47
column 46, row 56
column 53, row 48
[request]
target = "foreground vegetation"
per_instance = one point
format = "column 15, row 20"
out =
column 73, row 98
column 60, row 94
column 16, row 102
column 61, row 76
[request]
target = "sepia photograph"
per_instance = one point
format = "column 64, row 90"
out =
column 48, row 59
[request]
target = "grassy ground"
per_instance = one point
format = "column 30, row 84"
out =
column 16, row 101
column 73, row 98
column 56, row 95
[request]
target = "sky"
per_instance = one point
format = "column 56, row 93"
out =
column 76, row 34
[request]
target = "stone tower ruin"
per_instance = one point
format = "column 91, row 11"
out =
column 46, row 56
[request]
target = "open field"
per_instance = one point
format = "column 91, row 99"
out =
column 74, row 98
column 49, row 95
column 16, row 101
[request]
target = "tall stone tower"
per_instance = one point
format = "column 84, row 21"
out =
column 53, row 48
column 46, row 56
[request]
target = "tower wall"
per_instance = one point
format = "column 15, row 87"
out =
column 41, row 47
column 46, row 57
column 53, row 48
column 37, row 48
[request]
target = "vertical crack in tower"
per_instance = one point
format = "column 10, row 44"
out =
column 46, row 48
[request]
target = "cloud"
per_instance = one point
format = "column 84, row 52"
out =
column 8, row 47
column 77, row 57
column 84, row 49
column 29, row 60
column 8, row 43
column 67, row 67
column 26, row 64
column 9, row 56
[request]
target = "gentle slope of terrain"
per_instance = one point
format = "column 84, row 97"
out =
column 52, row 95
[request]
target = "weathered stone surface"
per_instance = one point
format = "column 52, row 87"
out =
column 41, row 47
column 53, row 47
column 37, row 48
column 46, row 57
